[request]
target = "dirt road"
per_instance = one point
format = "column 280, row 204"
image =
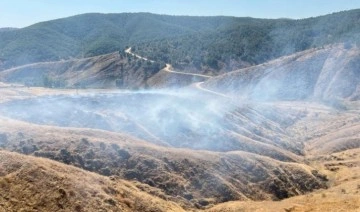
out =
column 168, row 67
column 198, row 86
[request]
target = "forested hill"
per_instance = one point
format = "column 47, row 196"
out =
column 7, row 29
column 248, row 41
column 96, row 34
column 203, row 43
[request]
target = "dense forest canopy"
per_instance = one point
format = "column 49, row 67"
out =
column 203, row 43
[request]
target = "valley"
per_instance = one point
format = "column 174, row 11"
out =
column 178, row 113
column 245, row 150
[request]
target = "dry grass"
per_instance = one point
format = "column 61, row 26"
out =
column 323, row 73
column 193, row 179
column 34, row 184
column 177, row 172
column 343, row 195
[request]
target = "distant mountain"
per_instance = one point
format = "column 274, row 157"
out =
column 4, row 29
column 248, row 41
column 205, row 44
column 94, row 34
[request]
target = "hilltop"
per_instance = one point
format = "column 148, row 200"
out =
column 210, row 45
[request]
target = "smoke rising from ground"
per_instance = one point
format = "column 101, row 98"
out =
column 174, row 118
column 183, row 118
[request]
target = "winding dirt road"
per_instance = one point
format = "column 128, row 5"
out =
column 168, row 68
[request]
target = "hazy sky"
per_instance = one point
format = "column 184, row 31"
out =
column 20, row 13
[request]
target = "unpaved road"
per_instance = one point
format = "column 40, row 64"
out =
column 168, row 67
column 198, row 86
column 136, row 55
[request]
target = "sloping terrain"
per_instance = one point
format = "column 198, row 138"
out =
column 4, row 29
column 34, row 184
column 327, row 73
column 164, row 117
column 269, row 132
column 116, row 70
column 199, row 178
column 192, row 178
column 95, row 34
column 208, row 45
column 200, row 145
column 123, row 70
column 343, row 168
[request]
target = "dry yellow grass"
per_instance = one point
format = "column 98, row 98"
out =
column 202, row 176
column 34, row 184
column 342, row 168
column 214, row 175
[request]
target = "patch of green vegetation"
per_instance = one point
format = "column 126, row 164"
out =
column 183, row 41
column 255, row 40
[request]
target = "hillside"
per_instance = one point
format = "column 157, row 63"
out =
column 209, row 45
column 34, row 184
column 186, row 176
column 145, row 112
column 4, row 29
column 93, row 34
column 344, row 196
column 115, row 70
column 324, row 74
column 257, row 152
column 205, row 144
